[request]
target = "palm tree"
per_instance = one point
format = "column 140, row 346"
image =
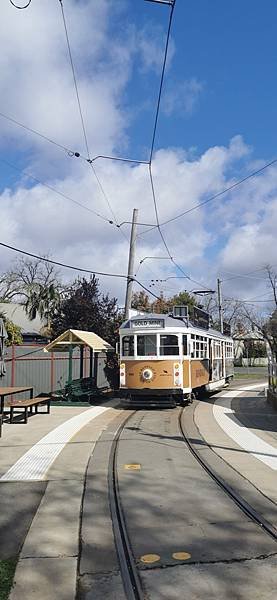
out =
column 42, row 300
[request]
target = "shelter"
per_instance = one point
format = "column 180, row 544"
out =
column 73, row 338
column 3, row 336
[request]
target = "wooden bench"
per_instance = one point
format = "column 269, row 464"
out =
column 28, row 403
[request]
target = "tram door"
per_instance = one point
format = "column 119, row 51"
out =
column 210, row 360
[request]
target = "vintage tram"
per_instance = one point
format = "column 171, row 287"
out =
column 166, row 359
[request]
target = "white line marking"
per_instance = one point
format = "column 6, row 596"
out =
column 34, row 464
column 239, row 433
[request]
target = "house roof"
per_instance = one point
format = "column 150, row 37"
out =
column 17, row 314
column 75, row 337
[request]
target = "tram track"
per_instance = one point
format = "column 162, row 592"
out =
column 244, row 506
column 129, row 573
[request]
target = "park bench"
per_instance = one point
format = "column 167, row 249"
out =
column 27, row 404
column 78, row 389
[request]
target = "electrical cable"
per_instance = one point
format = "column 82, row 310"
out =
column 239, row 275
column 162, row 80
column 81, row 269
column 228, row 189
column 82, row 116
column 41, row 135
column 268, row 301
column 60, row 264
column 159, row 225
column 172, row 6
column 74, row 79
column 49, row 187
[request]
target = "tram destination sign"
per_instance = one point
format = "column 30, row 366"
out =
column 147, row 323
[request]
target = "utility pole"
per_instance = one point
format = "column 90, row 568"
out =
column 128, row 298
column 219, row 305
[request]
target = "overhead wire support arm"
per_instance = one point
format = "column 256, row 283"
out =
column 118, row 158
column 168, row 2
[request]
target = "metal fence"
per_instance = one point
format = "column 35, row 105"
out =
column 272, row 383
column 29, row 365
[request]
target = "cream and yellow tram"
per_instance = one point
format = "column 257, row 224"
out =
column 165, row 359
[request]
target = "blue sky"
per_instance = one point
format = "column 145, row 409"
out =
column 215, row 126
column 231, row 49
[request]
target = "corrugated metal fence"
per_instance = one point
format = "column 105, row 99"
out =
column 29, row 365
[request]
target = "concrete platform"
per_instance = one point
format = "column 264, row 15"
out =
column 255, row 416
column 41, row 519
column 205, row 546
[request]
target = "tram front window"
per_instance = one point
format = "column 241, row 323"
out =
column 169, row 345
column 128, row 345
column 146, row 345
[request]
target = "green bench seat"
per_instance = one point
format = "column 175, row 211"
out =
column 78, row 389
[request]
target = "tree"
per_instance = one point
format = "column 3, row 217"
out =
column 17, row 284
column 85, row 308
column 42, row 300
column 141, row 302
column 161, row 305
column 266, row 324
column 13, row 331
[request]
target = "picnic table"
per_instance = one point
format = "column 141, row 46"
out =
column 9, row 391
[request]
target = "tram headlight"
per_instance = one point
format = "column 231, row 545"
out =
column 147, row 374
column 122, row 374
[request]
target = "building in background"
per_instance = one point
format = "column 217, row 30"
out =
column 31, row 331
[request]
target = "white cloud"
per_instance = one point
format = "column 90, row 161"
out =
column 45, row 222
column 235, row 233
column 182, row 97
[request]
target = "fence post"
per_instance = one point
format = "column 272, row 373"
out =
column 52, row 371
column 13, row 366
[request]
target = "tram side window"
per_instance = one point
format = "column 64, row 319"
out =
column 169, row 345
column 128, row 345
column 146, row 345
column 199, row 347
column 185, row 345
column 229, row 350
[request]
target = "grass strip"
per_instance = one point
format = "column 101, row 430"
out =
column 7, row 569
column 250, row 376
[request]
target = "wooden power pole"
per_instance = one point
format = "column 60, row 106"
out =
column 130, row 277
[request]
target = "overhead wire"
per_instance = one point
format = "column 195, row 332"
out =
column 91, row 160
column 242, row 275
column 82, row 117
column 41, row 135
column 153, row 191
column 228, row 189
column 74, row 268
column 52, row 189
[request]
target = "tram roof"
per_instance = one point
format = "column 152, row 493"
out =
column 168, row 322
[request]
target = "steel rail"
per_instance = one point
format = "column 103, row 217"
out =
column 129, row 573
column 239, row 501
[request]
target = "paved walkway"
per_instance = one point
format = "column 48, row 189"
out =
column 42, row 474
column 43, row 477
